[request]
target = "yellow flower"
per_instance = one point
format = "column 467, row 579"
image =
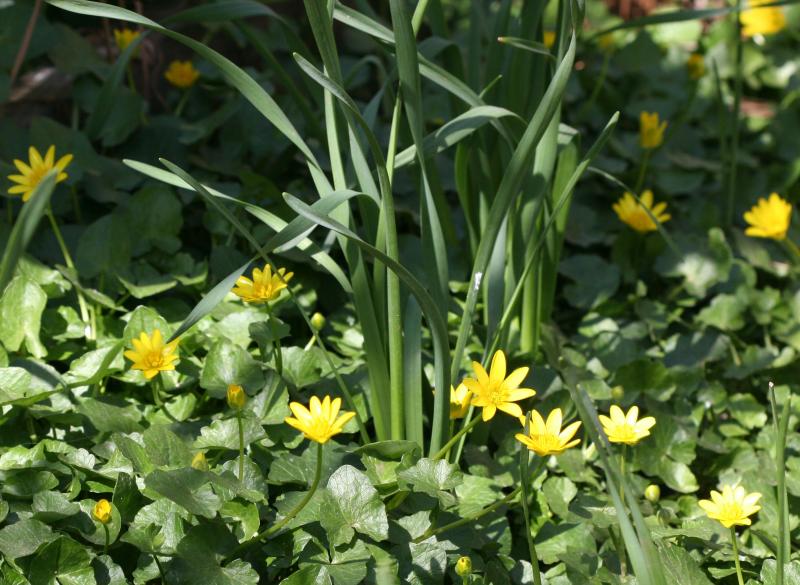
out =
column 731, row 507
column 124, row 37
column 236, row 396
column 762, row 21
column 181, row 74
column 626, row 428
column 102, row 511
column 459, row 401
column 549, row 38
column 606, row 43
column 696, row 66
column 199, row 461
column 494, row 391
column 151, row 355
column 635, row 214
column 265, row 285
column 651, row 130
column 769, row 218
column 319, row 423
column 36, row 169
column 547, row 438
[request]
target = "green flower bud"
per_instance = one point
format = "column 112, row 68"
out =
column 318, row 321
column 652, row 493
column 464, row 566
column 617, row 393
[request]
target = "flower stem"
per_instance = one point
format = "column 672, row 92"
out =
column 792, row 248
column 642, row 171
column 735, row 118
column 471, row 518
column 598, row 86
column 623, row 557
column 108, row 537
column 454, row 439
column 160, row 569
column 156, row 386
column 241, row 444
column 537, row 575
column 264, row 534
column 182, row 102
column 71, row 265
column 276, row 347
column 735, row 545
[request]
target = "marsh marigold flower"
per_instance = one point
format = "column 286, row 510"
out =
column 696, row 66
column 151, row 355
column 546, row 437
column 635, row 214
column 181, row 74
column 494, row 390
column 769, row 218
column 124, row 37
column 731, row 507
column 459, row 401
column 265, row 285
column 102, row 511
column 762, row 21
column 651, row 130
column 36, row 169
column 626, row 428
column 319, row 422
column 236, row 396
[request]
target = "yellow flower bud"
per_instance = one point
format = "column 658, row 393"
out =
column 464, row 566
column 236, row 396
column 318, row 321
column 652, row 493
column 102, row 511
column 617, row 393
column 200, row 462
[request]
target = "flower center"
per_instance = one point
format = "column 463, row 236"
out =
column 625, row 433
column 497, row 394
column 262, row 290
column 154, row 359
column 547, row 442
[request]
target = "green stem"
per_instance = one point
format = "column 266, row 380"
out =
column 182, row 102
column 160, row 569
column 471, row 518
column 129, row 71
column 735, row 545
column 241, row 444
column 454, row 439
column 537, row 575
column 276, row 348
column 264, row 534
column 156, row 385
column 108, row 538
column 737, row 100
column 623, row 557
column 642, row 171
column 794, row 251
column 598, row 86
column 84, row 309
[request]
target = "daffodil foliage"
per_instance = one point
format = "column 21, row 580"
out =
column 387, row 292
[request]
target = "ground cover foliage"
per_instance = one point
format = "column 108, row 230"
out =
column 398, row 292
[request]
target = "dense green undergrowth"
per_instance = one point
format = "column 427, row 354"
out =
column 253, row 246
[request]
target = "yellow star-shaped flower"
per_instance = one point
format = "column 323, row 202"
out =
column 265, row 285
column 36, row 169
column 626, row 428
column 769, row 218
column 547, row 438
column 635, row 215
column 319, row 422
column 731, row 507
column 494, row 391
column 151, row 355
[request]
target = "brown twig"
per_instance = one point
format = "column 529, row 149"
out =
column 26, row 41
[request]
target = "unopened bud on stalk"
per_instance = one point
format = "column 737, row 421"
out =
column 652, row 493
column 200, row 462
column 617, row 393
column 236, row 397
column 464, row 566
column 318, row 321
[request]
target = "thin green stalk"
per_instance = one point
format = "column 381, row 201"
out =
column 454, row 439
column 642, row 171
column 108, row 538
column 241, row 443
column 265, row 534
column 71, row 265
column 129, row 72
column 792, row 248
column 276, row 347
column 735, row 545
column 160, row 569
column 182, row 102
column 737, row 100
column 156, row 386
column 623, row 556
column 598, row 86
column 471, row 518
column 525, row 477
